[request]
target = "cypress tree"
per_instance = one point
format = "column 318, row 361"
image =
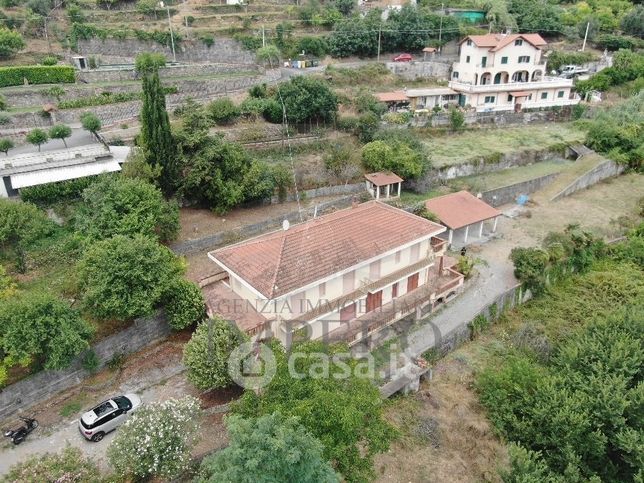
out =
column 156, row 137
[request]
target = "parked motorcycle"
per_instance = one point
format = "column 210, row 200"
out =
column 18, row 435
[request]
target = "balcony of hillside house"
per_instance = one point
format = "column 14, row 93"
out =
column 427, row 296
column 438, row 245
column 544, row 83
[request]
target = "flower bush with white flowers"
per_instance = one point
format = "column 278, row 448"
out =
column 156, row 440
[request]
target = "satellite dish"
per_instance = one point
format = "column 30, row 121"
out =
column 285, row 225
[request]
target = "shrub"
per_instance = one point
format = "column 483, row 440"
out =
column 10, row 43
column 207, row 39
column 616, row 42
column 206, row 354
column 223, row 111
column 37, row 137
column 3, row 103
column 4, row 119
column 123, row 278
column 36, row 74
column 70, row 466
column 91, row 361
column 6, row 145
column 139, row 452
column 49, row 193
column 262, row 450
column 49, row 60
column 456, row 119
column 39, row 327
column 184, row 304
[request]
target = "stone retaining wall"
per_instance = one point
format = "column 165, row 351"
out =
column 441, row 119
column 227, row 237
column 43, row 385
column 341, row 189
column 192, row 70
column 509, row 193
column 115, row 51
column 483, row 164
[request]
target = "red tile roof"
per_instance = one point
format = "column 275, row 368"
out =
column 283, row 261
column 381, row 179
column 497, row 41
column 395, row 96
column 457, row 210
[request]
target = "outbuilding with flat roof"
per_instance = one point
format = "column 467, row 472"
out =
column 464, row 215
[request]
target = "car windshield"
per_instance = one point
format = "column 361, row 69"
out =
column 123, row 403
column 103, row 408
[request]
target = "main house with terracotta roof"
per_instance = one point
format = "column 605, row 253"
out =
column 504, row 72
column 341, row 276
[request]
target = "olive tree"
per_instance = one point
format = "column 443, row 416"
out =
column 6, row 145
column 91, row 123
column 37, row 137
column 60, row 131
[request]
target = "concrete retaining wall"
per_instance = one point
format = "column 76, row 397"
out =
column 115, row 51
column 227, row 237
column 43, row 385
column 509, row 193
column 605, row 170
column 441, row 119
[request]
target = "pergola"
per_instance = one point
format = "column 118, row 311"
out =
column 460, row 212
column 388, row 182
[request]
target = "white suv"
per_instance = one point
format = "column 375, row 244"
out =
column 107, row 416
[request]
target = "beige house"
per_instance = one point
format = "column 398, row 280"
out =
column 342, row 276
column 506, row 72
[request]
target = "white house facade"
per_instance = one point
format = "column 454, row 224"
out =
column 507, row 72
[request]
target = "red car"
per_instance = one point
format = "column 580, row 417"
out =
column 403, row 58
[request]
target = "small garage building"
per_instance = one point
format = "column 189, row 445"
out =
column 467, row 217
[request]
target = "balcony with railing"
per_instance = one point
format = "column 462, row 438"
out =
column 439, row 286
column 438, row 245
column 545, row 83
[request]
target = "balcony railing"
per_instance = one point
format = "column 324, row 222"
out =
column 438, row 244
column 545, row 83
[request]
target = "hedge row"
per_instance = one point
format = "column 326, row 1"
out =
column 108, row 98
column 46, row 194
column 36, row 74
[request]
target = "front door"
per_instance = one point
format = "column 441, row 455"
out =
column 374, row 300
column 412, row 282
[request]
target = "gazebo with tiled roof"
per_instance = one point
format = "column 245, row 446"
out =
column 384, row 184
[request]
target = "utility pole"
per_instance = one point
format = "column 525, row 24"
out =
column 440, row 28
column 379, row 37
column 585, row 36
column 263, row 37
column 47, row 36
column 174, row 54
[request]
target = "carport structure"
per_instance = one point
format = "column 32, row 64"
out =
column 464, row 215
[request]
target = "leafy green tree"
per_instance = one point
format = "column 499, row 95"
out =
column 123, row 278
column 6, row 145
column 10, row 43
column 156, row 137
column 223, row 111
column 317, row 46
column 529, row 267
column 206, row 354
column 398, row 157
column 367, row 126
column 147, row 7
column 21, row 225
column 121, row 206
column 269, row 54
column 70, row 465
column 536, row 16
column 91, row 123
column 345, row 7
column 344, row 410
column 220, row 174
column 39, row 327
column 138, row 452
column 633, row 22
column 270, row 448
column 60, row 131
column 307, row 99
column 184, row 304
column 37, row 137
column 7, row 286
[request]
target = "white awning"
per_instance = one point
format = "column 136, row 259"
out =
column 51, row 175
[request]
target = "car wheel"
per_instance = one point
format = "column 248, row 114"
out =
column 98, row 436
